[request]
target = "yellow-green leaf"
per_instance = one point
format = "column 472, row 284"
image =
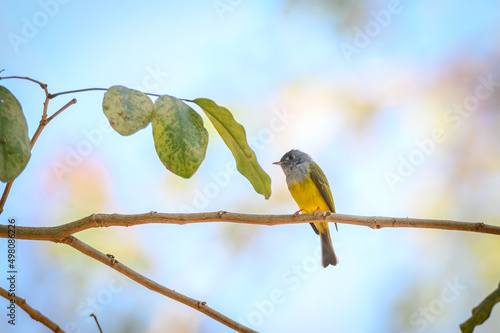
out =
column 481, row 312
column 127, row 110
column 235, row 138
column 180, row 138
column 15, row 146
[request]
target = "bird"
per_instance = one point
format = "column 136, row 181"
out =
column 310, row 189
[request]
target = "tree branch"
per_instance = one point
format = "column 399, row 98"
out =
column 42, row 85
column 43, row 122
column 96, row 321
column 63, row 234
column 5, row 194
column 110, row 261
column 60, row 232
column 37, row 133
column 34, row 314
column 8, row 186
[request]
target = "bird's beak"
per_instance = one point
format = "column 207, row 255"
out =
column 278, row 163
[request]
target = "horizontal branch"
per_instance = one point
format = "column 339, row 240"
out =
column 60, row 232
column 110, row 261
column 64, row 234
column 34, row 313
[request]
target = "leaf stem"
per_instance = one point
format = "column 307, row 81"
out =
column 89, row 89
column 75, row 91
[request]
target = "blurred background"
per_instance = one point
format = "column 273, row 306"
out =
column 398, row 102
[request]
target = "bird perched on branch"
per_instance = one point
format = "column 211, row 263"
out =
column 310, row 189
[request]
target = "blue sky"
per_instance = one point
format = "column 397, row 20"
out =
column 269, row 63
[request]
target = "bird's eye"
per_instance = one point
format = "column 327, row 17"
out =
column 290, row 157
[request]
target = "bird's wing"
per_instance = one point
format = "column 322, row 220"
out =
column 322, row 184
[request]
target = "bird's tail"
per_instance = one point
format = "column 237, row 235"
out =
column 327, row 254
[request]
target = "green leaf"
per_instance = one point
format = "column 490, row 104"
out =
column 481, row 312
column 127, row 110
column 234, row 136
column 180, row 138
column 15, row 146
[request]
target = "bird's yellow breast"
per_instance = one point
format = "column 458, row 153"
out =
column 307, row 195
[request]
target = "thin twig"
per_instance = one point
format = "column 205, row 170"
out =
column 42, row 85
column 96, row 321
column 34, row 314
column 58, row 233
column 38, row 131
column 152, row 285
column 46, row 120
column 43, row 122
column 73, row 101
column 5, row 194
column 89, row 89
column 7, row 188
column 75, row 91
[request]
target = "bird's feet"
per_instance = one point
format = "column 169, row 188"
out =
column 316, row 211
column 297, row 212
